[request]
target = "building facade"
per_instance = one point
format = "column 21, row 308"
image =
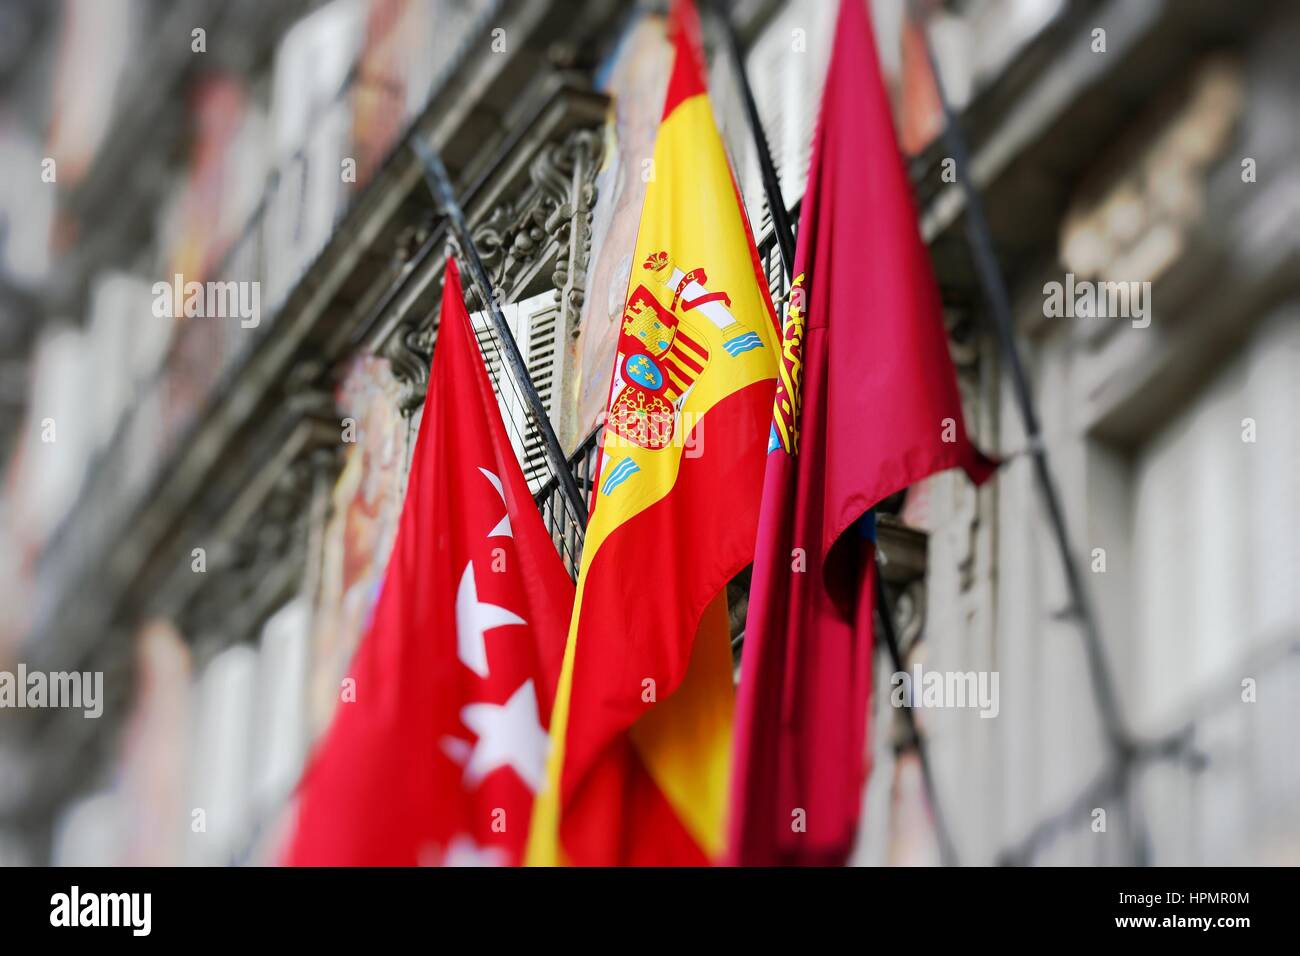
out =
column 199, row 501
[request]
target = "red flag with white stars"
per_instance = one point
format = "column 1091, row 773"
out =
column 437, row 758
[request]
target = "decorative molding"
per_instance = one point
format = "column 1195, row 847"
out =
column 549, row 219
column 903, row 554
column 410, row 352
column 909, row 614
column 545, row 219
column 262, row 535
column 1136, row 220
column 583, row 154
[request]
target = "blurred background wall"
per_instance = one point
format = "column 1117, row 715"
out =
column 201, row 507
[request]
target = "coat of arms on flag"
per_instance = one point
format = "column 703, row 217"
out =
column 661, row 352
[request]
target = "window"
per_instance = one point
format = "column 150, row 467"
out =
column 535, row 324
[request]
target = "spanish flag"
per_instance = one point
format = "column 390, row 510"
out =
column 641, row 730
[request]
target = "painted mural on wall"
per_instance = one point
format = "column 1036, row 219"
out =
column 154, row 750
column 364, row 511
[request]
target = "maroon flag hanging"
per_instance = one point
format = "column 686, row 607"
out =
column 866, row 405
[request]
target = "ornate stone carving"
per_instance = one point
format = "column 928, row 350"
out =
column 909, row 614
column 903, row 562
column 570, row 277
column 549, row 218
column 410, row 351
column 552, row 216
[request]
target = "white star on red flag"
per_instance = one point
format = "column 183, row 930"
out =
column 473, row 618
column 509, row 735
column 502, row 529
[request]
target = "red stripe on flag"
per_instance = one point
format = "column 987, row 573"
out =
column 685, row 339
column 678, row 376
column 602, row 708
column 620, row 816
column 687, row 79
column 685, row 358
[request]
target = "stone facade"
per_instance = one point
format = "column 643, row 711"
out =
column 1172, row 441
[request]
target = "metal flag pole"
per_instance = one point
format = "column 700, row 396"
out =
column 995, row 292
column 784, row 232
column 781, row 224
column 440, row 183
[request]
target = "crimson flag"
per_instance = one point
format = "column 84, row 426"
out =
column 866, row 405
column 436, row 756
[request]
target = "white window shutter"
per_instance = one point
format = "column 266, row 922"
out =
column 535, row 324
column 545, row 366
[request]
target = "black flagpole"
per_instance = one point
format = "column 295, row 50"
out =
column 1126, row 748
column 784, row 231
column 436, row 174
column 782, row 227
column 995, row 291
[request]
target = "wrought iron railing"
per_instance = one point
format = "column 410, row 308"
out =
column 566, row 535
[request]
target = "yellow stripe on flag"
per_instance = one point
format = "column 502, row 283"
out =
column 685, row 742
